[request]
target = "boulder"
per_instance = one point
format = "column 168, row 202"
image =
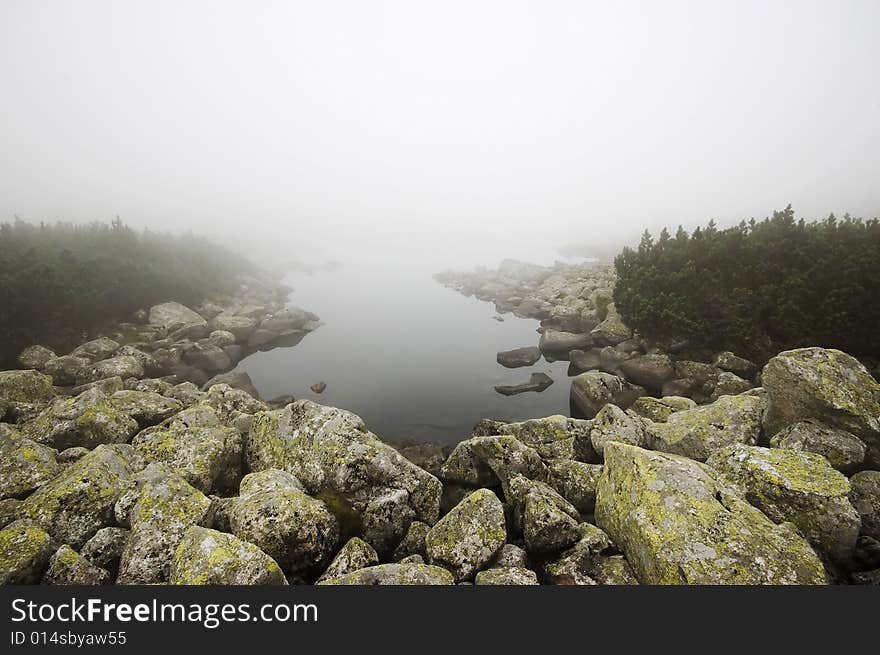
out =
column 649, row 371
column 507, row 576
column 798, row 487
column 614, row 424
column 511, row 556
column 659, row 410
column 677, row 522
column 24, row 466
column 823, row 384
column 395, row 575
column 274, row 513
column 581, row 361
column 578, row 564
column 160, row 508
column 507, row 456
column 354, row 555
column 236, row 380
column 727, row 361
column 35, row 357
column 552, row 436
column 172, row 316
column 464, row 467
column 697, row 433
column 593, row 390
column 97, row 349
column 207, row 357
column 865, row 497
column 240, row 326
column 469, row 536
column 413, row 543
column 576, row 482
column 537, row 382
column 728, row 384
column 68, row 567
column 549, row 523
column 27, row 386
column 74, row 505
column 519, row 357
column 25, row 550
column 557, row 342
column 843, row 450
column 209, row 557
column 123, row 366
column 331, row 452
column 66, row 370
column 104, row 550
column 612, row 330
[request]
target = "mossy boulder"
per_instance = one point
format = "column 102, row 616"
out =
column 578, row 564
column 865, row 497
column 413, row 543
column 335, row 457
column 729, row 384
column 28, row 386
column 507, row 456
column 552, row 436
column 172, row 316
column 659, row 410
column 678, row 522
column 68, row 567
column 145, row 407
column 66, row 370
column 24, row 466
column 612, row 423
column 697, row 433
column 612, row 330
column 575, row 481
column 74, row 505
column 290, row 526
column 549, row 523
column 464, row 467
column 96, row 349
column 25, row 550
column 122, row 366
column 354, row 555
column 35, row 357
column 798, row 487
column 727, row 361
column 592, row 390
column 466, row 539
column 104, row 550
column 843, row 450
column 823, row 384
column 209, row 557
column 395, row 575
column 194, row 444
column 164, row 507
column 506, row 576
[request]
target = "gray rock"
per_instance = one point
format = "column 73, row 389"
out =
column 519, row 357
column 209, row 557
column 413, row 543
column 97, row 349
column 581, row 563
column 25, row 550
column 240, row 326
column 659, row 410
column 24, row 466
column 650, row 371
column 537, row 382
column 555, row 341
column 354, row 555
column 865, row 497
column 66, row 370
column 581, row 361
column 123, row 366
column 549, row 522
column 593, row 390
column 614, row 424
column 173, row 316
column 507, row 456
column 395, row 574
column 727, row 361
column 576, row 482
column 35, row 357
column 844, row 451
column 729, row 384
column 207, row 357
column 511, row 555
column 67, row 567
column 507, row 576
column 25, row 386
column 104, row 550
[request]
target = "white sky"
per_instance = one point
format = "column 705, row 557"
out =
column 460, row 129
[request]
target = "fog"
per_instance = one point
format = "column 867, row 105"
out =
column 455, row 132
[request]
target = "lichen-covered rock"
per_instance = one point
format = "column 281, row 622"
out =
column 96, row 349
column 464, row 467
column 552, row 436
column 511, row 555
column 148, row 362
column 147, row 408
column 826, row 385
column 592, row 390
column 798, row 487
column 165, row 506
column 677, row 522
column 72, row 454
column 240, row 326
column 649, row 371
column 466, row 539
column 354, row 555
column 740, row 366
column 549, row 523
column 614, row 424
column 123, row 366
column 185, row 392
column 576, row 482
column 24, row 466
column 865, row 497
column 74, row 505
column 104, row 550
column 298, row 531
column 612, row 330
column 236, row 380
column 413, row 543
column 9, row 510
column 613, row 570
column 35, row 357
column 395, row 574
column 231, row 403
column 26, row 386
column 659, row 410
column 172, row 316
column 25, row 550
column 207, row 357
column 729, row 384
column 579, row 564
column 209, row 557
column 697, row 433
column 68, row 567
column 692, row 379
column 65, row 370
column 195, row 445
column 507, row 456
column 331, row 452
column 507, row 576
column 844, row 451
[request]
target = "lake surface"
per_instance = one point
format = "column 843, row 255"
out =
column 411, row 357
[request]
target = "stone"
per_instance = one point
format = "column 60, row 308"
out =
column 25, row 550
column 208, row 358
column 469, row 536
column 413, row 543
column 24, row 466
column 592, row 390
column 241, row 327
column 729, row 384
column 464, row 467
column 579, row 564
column 123, row 366
column 27, row 386
column 97, row 349
column 614, row 424
column 650, row 371
column 209, row 557
column 507, row 456
column 104, row 550
column 612, row 330
column 581, row 361
column 677, row 522
column 35, row 357
column 236, row 380
column 318, row 387
column 395, row 574
column 865, row 497
column 519, row 357
column 556, row 342
column 147, row 408
column 68, row 567
column 507, row 576
column 537, row 382
column 354, row 555
column 66, row 370
column 727, row 361
column 275, row 514
column 697, row 433
column 511, row 555
column 659, row 410
column 549, row 523
column 173, row 316
column 576, row 482
column 844, row 451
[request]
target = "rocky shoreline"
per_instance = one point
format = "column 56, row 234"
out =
column 135, row 467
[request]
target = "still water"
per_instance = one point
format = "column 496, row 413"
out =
column 411, row 357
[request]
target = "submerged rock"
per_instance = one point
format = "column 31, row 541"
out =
column 519, row 357
column 537, row 382
column 209, row 557
column 677, row 523
column 318, row 387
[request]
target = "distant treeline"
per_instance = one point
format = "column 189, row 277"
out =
column 59, row 281
column 758, row 287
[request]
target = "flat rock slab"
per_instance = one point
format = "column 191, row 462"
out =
column 537, row 382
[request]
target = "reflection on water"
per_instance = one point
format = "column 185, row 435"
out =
column 414, row 359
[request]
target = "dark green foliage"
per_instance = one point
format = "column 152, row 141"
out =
column 58, row 282
column 758, row 287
